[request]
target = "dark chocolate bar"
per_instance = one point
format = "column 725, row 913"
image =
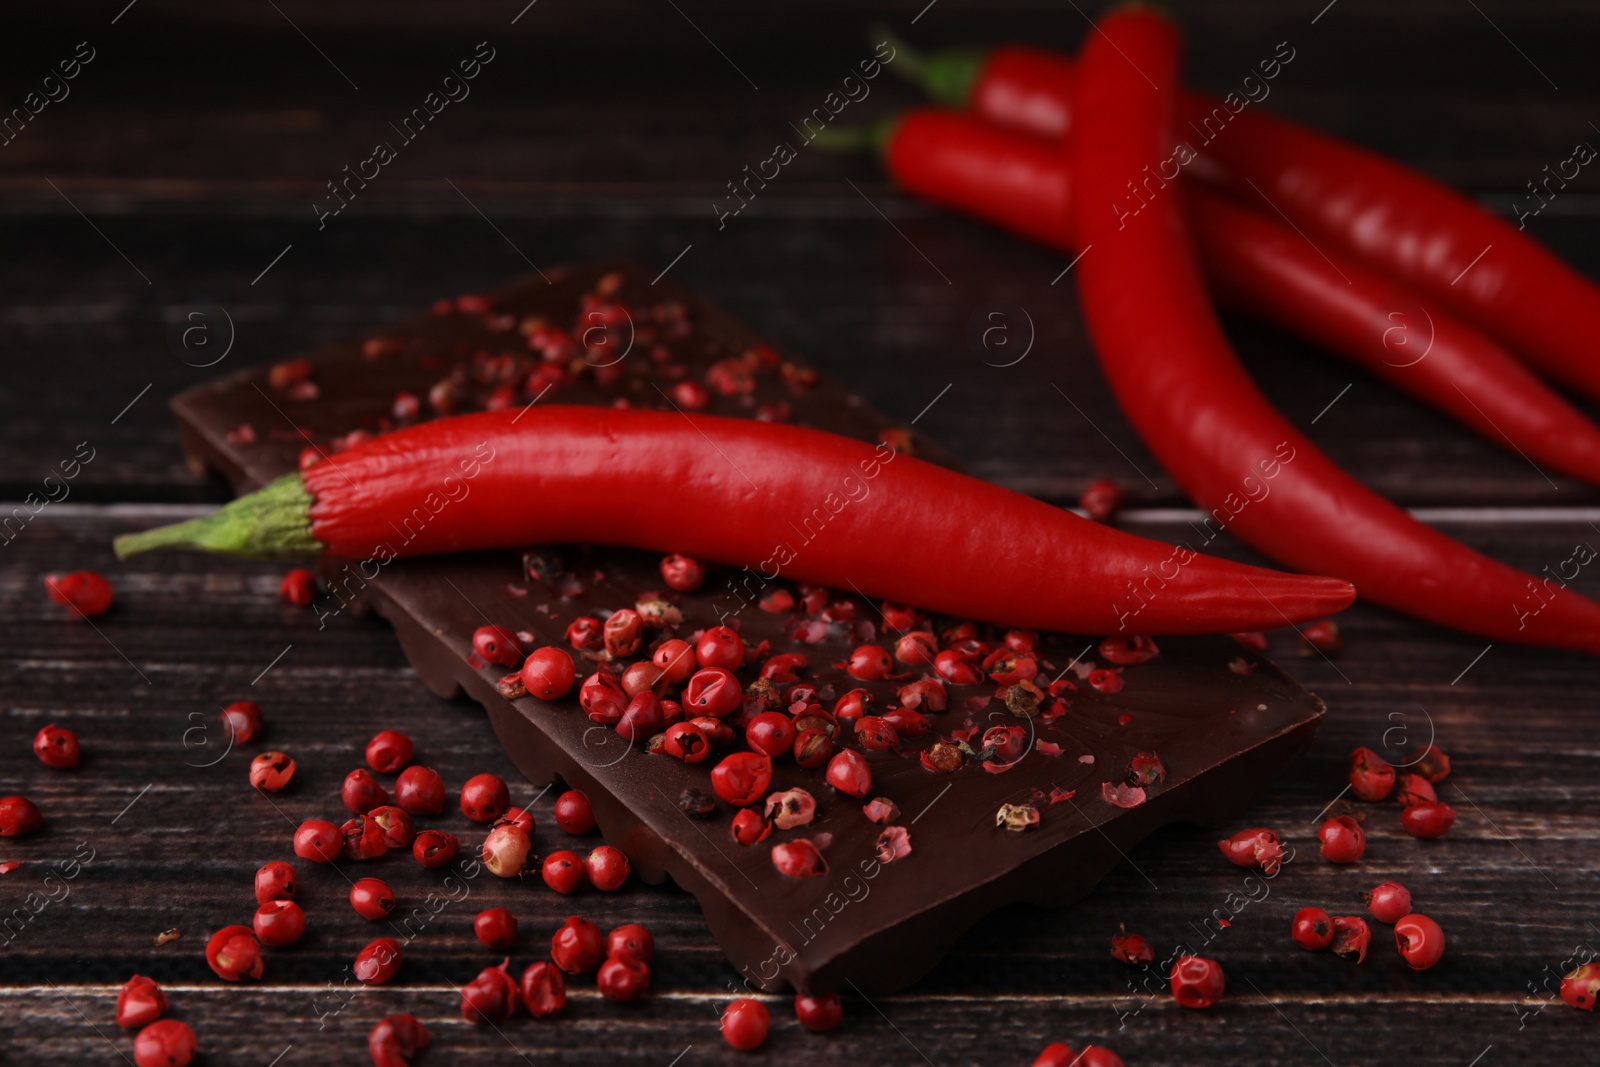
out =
column 1193, row 735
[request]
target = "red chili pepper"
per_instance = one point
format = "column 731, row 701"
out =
column 648, row 478
column 1259, row 266
column 1441, row 243
column 1174, row 374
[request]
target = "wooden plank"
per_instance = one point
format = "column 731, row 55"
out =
column 246, row 1027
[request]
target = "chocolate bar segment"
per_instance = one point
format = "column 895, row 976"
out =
column 1110, row 753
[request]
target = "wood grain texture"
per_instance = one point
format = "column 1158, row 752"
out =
column 836, row 285
column 196, row 141
column 1512, row 884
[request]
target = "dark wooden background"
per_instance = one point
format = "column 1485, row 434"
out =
column 187, row 157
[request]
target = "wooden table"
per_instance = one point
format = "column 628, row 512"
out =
column 180, row 174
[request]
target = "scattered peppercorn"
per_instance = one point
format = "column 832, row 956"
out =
column 279, row 922
column 1415, row 789
column 496, row 644
column 1197, row 982
column 1432, row 764
column 1351, row 936
column 398, row 829
column 576, row 947
column 521, row 818
column 745, row 1023
column 318, row 840
column 1371, row 776
column 1420, row 941
column 608, row 868
column 378, row 962
column 140, row 1002
column 621, row 633
column 271, row 771
column 563, row 871
column 721, row 647
column 18, row 816
column 749, row 827
column 682, row 573
column 299, row 587
column 847, row 772
column 1322, row 636
column 1312, row 929
column 361, row 792
column 389, row 751
column 813, row 748
column 1133, row 949
column 484, row 798
column 573, row 813
column 234, row 954
column 675, row 659
column 496, row 928
column 818, row 1013
column 548, row 672
column 419, row 790
column 372, row 898
column 434, row 848
column 623, row 977
column 395, row 1040
column 363, row 839
column 56, row 746
column 87, row 592
column 799, row 858
column 165, row 1043
column 742, row 778
column 1427, row 820
column 544, row 990
column 955, row 669
column 1581, row 985
column 507, row 851
column 713, row 691
column 641, row 719
column 631, row 939
column 1061, row 1055
column 1389, row 902
column 491, row 997
column 1101, row 500
column 1343, row 840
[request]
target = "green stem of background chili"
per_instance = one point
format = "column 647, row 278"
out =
column 781, row 500
column 1259, row 266
column 1174, row 374
column 1442, row 244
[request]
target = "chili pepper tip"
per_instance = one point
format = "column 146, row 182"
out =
column 274, row 522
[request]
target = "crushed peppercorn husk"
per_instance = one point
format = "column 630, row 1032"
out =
column 944, row 757
column 1147, row 770
column 656, row 613
column 1023, row 699
column 1017, row 817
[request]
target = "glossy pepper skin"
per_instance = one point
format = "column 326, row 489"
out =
column 1259, row 266
column 580, row 474
column 1345, row 198
column 1173, row 372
